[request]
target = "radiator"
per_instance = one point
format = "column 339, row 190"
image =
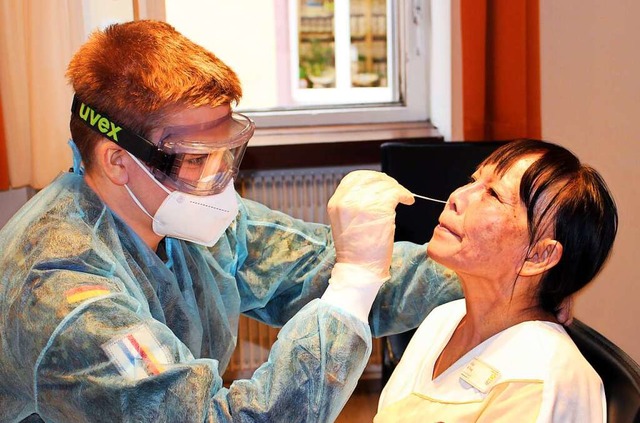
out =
column 301, row 193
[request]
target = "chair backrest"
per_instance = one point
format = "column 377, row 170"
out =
column 619, row 373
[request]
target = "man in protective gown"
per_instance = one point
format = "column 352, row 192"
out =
column 121, row 283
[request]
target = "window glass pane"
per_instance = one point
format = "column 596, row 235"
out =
column 316, row 44
column 368, row 23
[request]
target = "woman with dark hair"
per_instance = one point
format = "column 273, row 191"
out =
column 532, row 227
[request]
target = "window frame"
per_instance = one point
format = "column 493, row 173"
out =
column 412, row 58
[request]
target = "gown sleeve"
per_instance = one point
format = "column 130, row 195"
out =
column 285, row 262
column 95, row 354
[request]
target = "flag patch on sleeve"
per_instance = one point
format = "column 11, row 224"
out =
column 85, row 292
column 137, row 354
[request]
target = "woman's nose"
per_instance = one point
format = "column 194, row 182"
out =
column 459, row 198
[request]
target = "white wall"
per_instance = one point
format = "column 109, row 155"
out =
column 100, row 14
column 221, row 36
column 445, row 78
column 590, row 85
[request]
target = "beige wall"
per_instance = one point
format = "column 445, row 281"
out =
column 590, row 84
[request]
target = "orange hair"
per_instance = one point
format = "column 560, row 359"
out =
column 138, row 72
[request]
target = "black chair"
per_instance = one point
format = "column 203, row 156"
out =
column 619, row 373
column 435, row 170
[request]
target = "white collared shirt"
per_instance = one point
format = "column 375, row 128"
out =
column 530, row 372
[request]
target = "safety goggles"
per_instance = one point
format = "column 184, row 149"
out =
column 198, row 159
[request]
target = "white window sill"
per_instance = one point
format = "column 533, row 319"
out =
column 343, row 133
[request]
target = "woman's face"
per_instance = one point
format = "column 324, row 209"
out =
column 482, row 230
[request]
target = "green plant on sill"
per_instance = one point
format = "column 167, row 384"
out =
column 318, row 61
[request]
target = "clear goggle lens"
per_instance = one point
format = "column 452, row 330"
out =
column 206, row 157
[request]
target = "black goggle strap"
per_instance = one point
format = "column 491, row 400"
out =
column 135, row 144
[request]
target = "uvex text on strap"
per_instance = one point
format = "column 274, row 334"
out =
column 199, row 159
column 135, row 144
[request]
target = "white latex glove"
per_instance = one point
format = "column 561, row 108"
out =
column 362, row 215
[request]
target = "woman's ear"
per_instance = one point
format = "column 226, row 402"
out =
column 545, row 254
column 111, row 158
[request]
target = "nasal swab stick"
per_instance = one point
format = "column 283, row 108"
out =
column 430, row 199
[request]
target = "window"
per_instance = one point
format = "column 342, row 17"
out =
column 315, row 62
column 341, row 53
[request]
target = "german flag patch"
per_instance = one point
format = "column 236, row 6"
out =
column 85, row 292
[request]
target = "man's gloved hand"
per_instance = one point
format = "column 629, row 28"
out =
column 362, row 215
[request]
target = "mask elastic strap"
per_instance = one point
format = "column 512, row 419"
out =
column 133, row 197
column 135, row 200
column 144, row 168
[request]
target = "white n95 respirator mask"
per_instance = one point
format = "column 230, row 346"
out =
column 201, row 219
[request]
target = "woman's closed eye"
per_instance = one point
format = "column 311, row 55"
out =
column 493, row 193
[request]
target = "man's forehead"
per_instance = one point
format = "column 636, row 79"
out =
column 196, row 115
column 190, row 118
